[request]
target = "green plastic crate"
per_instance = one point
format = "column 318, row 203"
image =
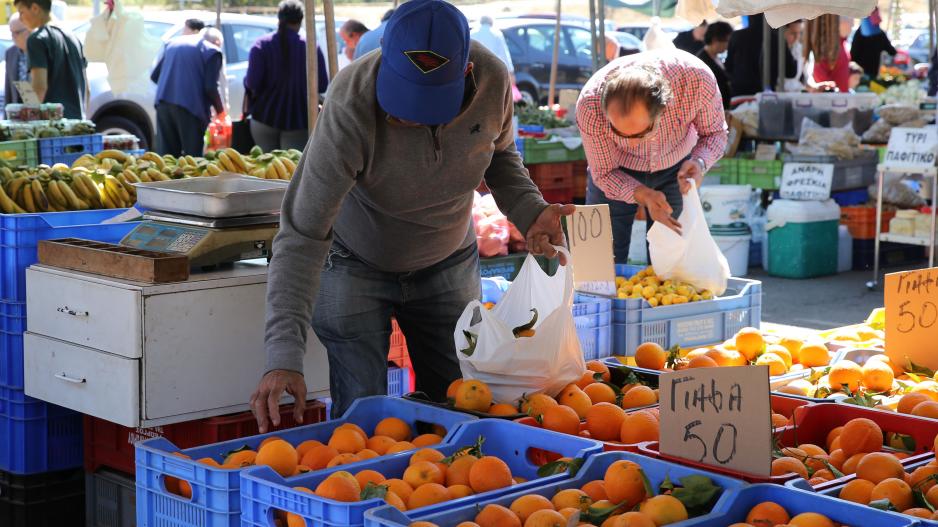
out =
column 727, row 169
column 766, row 175
column 536, row 151
column 20, row 153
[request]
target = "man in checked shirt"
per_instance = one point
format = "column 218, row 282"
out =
column 650, row 123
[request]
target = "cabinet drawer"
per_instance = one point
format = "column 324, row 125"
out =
column 90, row 314
column 83, row 379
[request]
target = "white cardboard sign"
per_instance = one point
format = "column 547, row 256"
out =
column 589, row 234
column 807, row 181
column 912, row 148
column 719, row 417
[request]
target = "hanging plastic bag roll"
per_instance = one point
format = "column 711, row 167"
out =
column 691, row 256
column 514, row 366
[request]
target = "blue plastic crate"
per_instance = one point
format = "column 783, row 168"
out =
column 67, row 149
column 531, row 128
column 595, row 343
column 12, row 326
column 849, row 198
column 398, row 381
column 594, row 469
column 795, row 502
column 37, row 436
column 695, row 324
column 216, row 493
column 262, row 489
column 20, row 234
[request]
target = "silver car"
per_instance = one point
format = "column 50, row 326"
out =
column 134, row 113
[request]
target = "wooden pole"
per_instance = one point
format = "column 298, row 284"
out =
column 218, row 14
column 594, row 37
column 312, row 66
column 332, row 49
column 554, row 60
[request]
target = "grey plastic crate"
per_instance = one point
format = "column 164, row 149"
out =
column 859, row 172
column 110, row 499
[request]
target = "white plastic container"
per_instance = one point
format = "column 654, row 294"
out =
column 844, row 250
column 726, row 205
column 734, row 244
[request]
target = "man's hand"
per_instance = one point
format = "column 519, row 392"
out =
column 658, row 208
column 265, row 401
column 546, row 231
column 690, row 170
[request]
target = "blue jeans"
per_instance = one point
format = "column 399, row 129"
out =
column 623, row 214
column 353, row 320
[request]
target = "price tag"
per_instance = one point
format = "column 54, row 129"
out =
column 807, row 181
column 912, row 148
column 26, row 92
column 589, row 233
column 911, row 299
column 712, row 416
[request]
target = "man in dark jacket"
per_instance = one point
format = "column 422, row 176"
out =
column 869, row 44
column 744, row 58
column 187, row 89
column 692, row 40
column 17, row 64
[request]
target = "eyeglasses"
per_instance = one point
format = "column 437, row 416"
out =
column 640, row 135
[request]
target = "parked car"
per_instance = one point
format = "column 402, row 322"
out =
column 531, row 44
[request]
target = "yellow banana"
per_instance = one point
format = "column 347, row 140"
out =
column 289, row 164
column 271, row 172
column 281, row 170
column 259, row 172
column 213, row 169
column 7, row 173
column 107, row 202
column 226, row 163
column 116, row 155
column 237, row 159
column 27, row 198
column 155, row 159
column 13, row 189
column 131, row 191
column 8, row 205
column 113, row 196
column 39, row 196
column 144, row 177
column 191, row 161
column 110, row 182
column 92, row 195
column 74, row 202
column 85, row 161
column 55, row 195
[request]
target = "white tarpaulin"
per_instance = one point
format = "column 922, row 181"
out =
column 695, row 11
column 781, row 12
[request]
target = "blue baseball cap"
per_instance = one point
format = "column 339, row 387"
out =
column 424, row 54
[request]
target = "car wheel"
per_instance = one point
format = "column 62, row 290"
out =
column 117, row 125
column 528, row 94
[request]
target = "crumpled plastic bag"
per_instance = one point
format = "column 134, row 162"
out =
column 897, row 192
column 816, row 140
column 878, row 133
column 495, row 235
column 896, row 114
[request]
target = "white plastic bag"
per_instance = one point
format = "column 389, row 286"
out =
column 656, row 38
column 543, row 363
column 692, row 256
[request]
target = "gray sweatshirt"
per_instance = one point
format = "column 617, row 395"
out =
column 398, row 197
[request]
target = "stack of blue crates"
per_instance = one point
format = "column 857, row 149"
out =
column 37, row 437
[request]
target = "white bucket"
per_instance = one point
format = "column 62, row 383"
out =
column 736, row 250
column 726, row 205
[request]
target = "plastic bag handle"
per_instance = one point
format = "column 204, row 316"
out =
column 568, row 276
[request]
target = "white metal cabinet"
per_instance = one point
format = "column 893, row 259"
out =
column 199, row 353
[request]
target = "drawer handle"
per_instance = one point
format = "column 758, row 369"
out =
column 68, row 311
column 66, row 378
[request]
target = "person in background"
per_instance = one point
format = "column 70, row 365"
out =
column 17, row 64
column 193, row 26
column 692, row 40
column 933, row 75
column 351, row 33
column 828, row 43
column 493, row 39
column 744, row 58
column 716, row 42
column 869, row 44
column 381, row 206
column 650, row 123
column 793, row 34
column 371, row 40
column 856, row 76
column 275, row 83
column 187, row 89
column 56, row 61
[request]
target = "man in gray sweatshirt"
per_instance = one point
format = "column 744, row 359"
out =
column 377, row 221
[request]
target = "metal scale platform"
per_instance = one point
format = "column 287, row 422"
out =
column 212, row 220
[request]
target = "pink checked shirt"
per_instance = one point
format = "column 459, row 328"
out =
column 692, row 124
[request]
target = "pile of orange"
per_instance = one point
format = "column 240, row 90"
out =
column 771, row 514
column 622, row 485
column 748, row 347
column 905, row 491
column 348, row 444
column 879, row 382
column 855, row 447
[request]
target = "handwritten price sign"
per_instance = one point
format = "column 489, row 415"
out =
column 712, row 416
column 589, row 233
column 912, row 317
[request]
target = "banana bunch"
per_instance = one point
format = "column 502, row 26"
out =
column 106, row 180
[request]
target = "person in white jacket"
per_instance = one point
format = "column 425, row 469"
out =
column 493, row 39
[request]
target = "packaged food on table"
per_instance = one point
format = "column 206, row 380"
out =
column 30, row 112
column 51, row 111
column 125, row 142
column 14, row 112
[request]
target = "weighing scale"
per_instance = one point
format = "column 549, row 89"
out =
column 207, row 242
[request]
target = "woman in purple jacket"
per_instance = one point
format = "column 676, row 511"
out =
column 275, row 84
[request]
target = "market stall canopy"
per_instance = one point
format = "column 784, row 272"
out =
column 646, row 6
column 781, row 12
column 695, row 10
